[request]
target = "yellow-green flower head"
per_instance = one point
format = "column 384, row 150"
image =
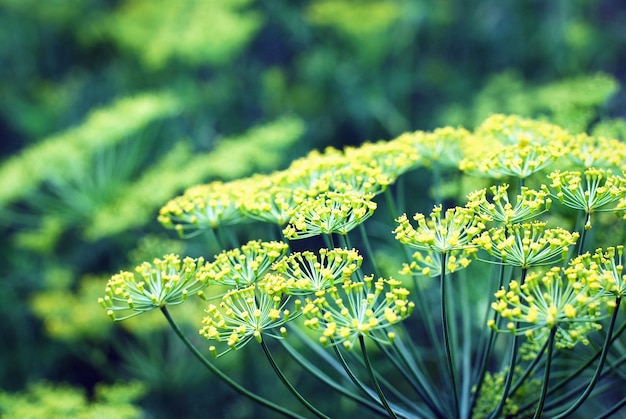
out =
column 452, row 231
column 330, row 212
column 607, row 266
column 362, row 308
column 527, row 245
column 357, row 178
column 203, row 206
column 516, row 130
column 444, row 146
column 393, row 157
column 244, row 265
column 586, row 151
column 166, row 281
column 518, row 147
column 244, row 314
column 310, row 172
column 307, row 273
column 550, row 300
column 528, row 205
column 428, row 262
column 271, row 198
column 590, row 191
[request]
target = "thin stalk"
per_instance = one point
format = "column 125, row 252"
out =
column 446, row 335
column 333, row 383
column 417, row 382
column 596, row 375
column 546, row 374
column 234, row 385
column 466, row 348
column 580, row 369
column 287, row 384
column 528, row 370
column 609, row 413
column 512, row 362
column 370, row 371
column 349, row 372
column 368, row 248
column 489, row 346
column 583, row 234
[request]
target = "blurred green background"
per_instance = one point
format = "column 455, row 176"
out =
column 109, row 108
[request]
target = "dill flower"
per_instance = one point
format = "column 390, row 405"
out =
column 444, row 146
column 528, row 244
column 519, row 147
column 608, row 265
column 244, row 265
column 550, row 300
column 357, row 178
column 588, row 151
column 453, row 231
column 393, row 157
column 428, row 262
column 306, row 273
column 244, row 314
column 270, row 199
column 590, row 191
column 362, row 308
column 166, row 281
column 331, row 212
column 203, row 206
column 528, row 205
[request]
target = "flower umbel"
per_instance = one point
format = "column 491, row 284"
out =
column 568, row 302
column 453, row 231
column 526, row 245
column 592, row 190
column 306, row 273
column 365, row 308
column 244, row 314
column 163, row 282
column 428, row 262
column 528, row 205
column 245, row 265
column 330, row 212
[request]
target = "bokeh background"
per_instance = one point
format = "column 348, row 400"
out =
column 109, row 108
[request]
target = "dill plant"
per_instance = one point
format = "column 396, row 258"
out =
column 498, row 309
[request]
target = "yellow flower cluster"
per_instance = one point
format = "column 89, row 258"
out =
column 307, row 273
column 527, row 245
column 330, row 212
column 518, row 147
column 555, row 299
column 244, row 265
column 428, row 262
column 163, row 282
column 529, row 204
column 607, row 265
column 357, row 308
column 589, row 191
column 244, row 314
column 452, row 231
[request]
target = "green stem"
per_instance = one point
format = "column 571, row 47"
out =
column 486, row 354
column 379, row 391
column 596, row 375
column 446, row 334
column 583, row 234
column 546, row 374
column 368, row 248
column 331, row 382
column 234, row 385
column 287, row 384
column 512, row 362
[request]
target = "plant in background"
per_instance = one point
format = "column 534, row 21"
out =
column 548, row 301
